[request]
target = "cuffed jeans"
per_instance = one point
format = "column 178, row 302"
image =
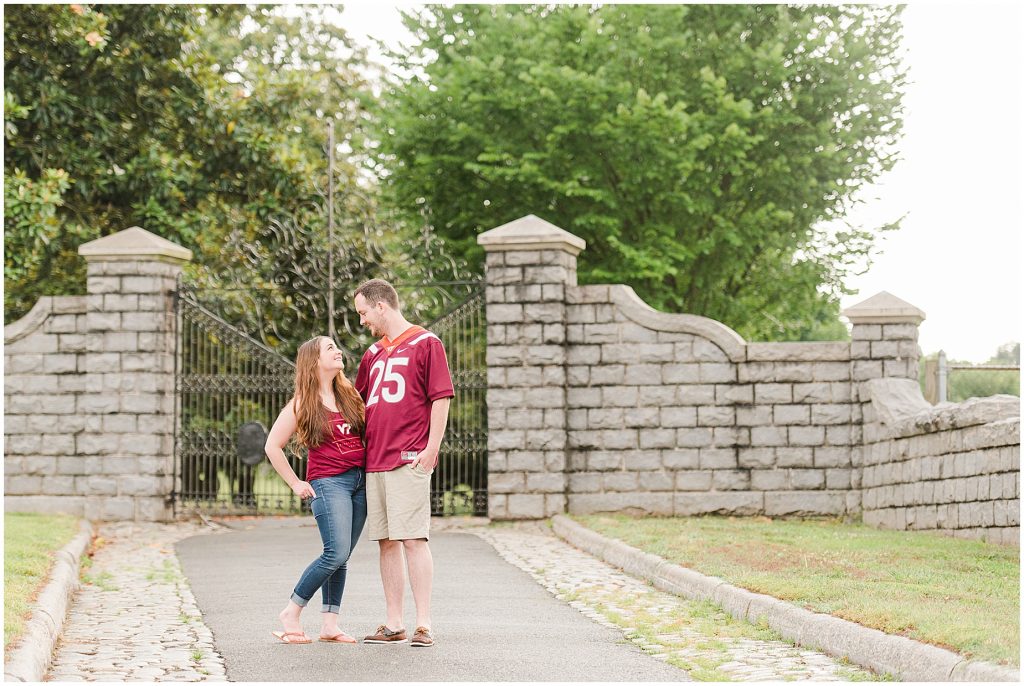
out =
column 340, row 511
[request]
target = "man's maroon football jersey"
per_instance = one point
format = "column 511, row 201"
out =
column 398, row 388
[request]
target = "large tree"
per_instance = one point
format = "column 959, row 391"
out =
column 192, row 121
column 698, row 149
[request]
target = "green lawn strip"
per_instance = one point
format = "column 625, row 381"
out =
column 957, row 594
column 30, row 542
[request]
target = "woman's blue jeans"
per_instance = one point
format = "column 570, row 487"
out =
column 340, row 511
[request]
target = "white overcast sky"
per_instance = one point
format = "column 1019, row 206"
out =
column 960, row 183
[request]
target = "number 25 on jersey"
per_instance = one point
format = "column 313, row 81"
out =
column 386, row 383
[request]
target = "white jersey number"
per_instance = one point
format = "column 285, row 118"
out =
column 381, row 372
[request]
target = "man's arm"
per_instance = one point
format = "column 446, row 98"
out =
column 438, row 423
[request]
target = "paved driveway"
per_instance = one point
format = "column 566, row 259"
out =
column 492, row 622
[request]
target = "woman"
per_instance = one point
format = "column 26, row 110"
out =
column 327, row 413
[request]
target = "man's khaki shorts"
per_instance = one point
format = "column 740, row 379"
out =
column 398, row 504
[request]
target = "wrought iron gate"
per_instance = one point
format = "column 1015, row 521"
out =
column 228, row 380
column 244, row 314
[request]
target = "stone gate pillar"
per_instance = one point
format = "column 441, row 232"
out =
column 128, row 442
column 884, row 345
column 530, row 265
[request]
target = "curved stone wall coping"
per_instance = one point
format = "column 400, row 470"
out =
column 35, row 318
column 635, row 309
column 902, row 409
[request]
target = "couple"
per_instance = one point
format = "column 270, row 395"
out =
column 372, row 448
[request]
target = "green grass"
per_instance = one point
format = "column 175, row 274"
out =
column 957, row 594
column 30, row 542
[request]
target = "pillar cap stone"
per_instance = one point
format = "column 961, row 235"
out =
column 884, row 308
column 134, row 242
column 530, row 233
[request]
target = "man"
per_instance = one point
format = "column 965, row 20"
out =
column 405, row 383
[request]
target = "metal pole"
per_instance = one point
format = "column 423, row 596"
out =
column 330, row 229
column 943, row 371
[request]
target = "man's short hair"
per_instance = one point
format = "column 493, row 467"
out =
column 378, row 290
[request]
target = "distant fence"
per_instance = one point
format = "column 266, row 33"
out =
column 938, row 369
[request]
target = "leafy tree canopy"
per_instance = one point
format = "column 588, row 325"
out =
column 190, row 121
column 696, row 148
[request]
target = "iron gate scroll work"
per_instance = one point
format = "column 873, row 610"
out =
column 241, row 324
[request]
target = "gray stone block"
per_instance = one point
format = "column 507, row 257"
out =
column 649, row 503
column 620, row 481
column 680, row 417
column 656, row 481
column 643, row 374
column 693, row 437
column 604, row 460
column 545, row 483
column 718, row 458
column 730, row 436
column 525, row 461
column 809, row 479
column 769, row 480
column 509, row 482
column 771, row 393
column 732, row 394
column 830, row 371
column 584, row 354
column 682, row 458
column 783, row 415
column 620, row 396
column 754, row 416
column 657, row 438
column 731, row 503
column 812, row 393
column 618, row 439
column 832, row 457
column 794, row 457
column 507, row 439
column 806, row 435
column 18, row 484
column 803, row 503
column 680, row 373
column 768, row 436
column 545, row 439
column 839, row 435
column 585, row 482
column 696, row 394
column 576, row 397
column 716, row 416
column 730, row 480
column 691, row 480
column 796, row 371
column 712, row 372
column 657, row 396
column 544, row 313
column 866, row 332
column 642, row 460
column 756, row 458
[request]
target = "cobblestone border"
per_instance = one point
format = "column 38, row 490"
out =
column 34, row 654
column 882, row 653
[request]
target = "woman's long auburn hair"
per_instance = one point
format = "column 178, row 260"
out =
column 310, row 413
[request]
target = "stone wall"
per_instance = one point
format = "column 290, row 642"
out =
column 44, row 391
column 89, row 388
column 954, row 468
column 597, row 402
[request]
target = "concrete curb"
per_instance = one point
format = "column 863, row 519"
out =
column 882, row 653
column 31, row 659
